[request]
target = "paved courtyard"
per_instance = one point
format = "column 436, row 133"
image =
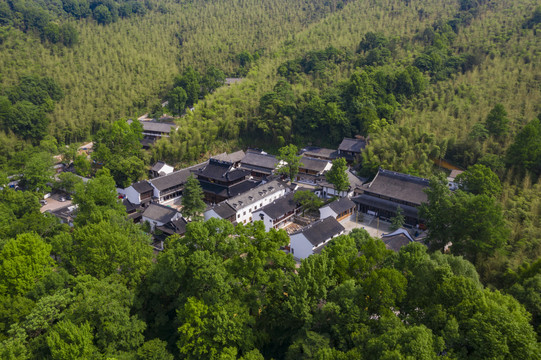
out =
column 54, row 202
column 370, row 223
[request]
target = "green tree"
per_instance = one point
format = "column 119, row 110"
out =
column 69, row 35
column 497, row 122
column 110, row 247
column 213, row 79
column 398, row 220
column 82, row 165
column 68, row 152
column 288, row 154
column 474, row 224
column 189, row 81
column 192, row 199
column 119, row 140
column 177, row 100
column 525, row 152
column 97, row 200
column 154, row 349
column 338, row 176
column 126, row 171
column 102, row 15
column 68, row 341
column 479, row 179
column 27, row 120
column 38, row 173
column 68, row 182
column 23, row 261
column 156, row 110
column 308, row 200
column 106, row 305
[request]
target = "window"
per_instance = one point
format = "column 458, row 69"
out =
column 244, row 213
column 238, row 216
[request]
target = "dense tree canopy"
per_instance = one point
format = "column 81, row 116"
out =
column 472, row 225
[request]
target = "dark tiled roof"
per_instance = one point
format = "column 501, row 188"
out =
column 395, row 242
column 398, row 186
column 142, row 187
column 180, row 226
column 159, row 213
column 353, row 145
column 230, row 191
column 174, row 227
column 320, row 152
column 322, row 230
column 232, row 158
column 221, row 170
column 242, row 187
column 257, row 159
column 280, row 206
column 66, row 213
column 148, row 142
column 256, row 194
column 224, row 210
column 313, row 164
column 158, row 126
column 341, row 205
column 158, row 166
column 129, row 206
column 175, row 178
column 387, row 205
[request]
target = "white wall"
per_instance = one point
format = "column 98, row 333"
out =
column 166, row 169
column 244, row 214
column 132, row 195
column 301, row 248
column 155, row 192
column 326, row 211
column 211, row 214
column 330, row 192
column 266, row 219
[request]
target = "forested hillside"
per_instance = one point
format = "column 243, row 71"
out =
column 118, row 68
column 425, row 81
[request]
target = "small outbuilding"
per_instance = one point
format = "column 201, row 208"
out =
column 338, row 209
column 313, row 238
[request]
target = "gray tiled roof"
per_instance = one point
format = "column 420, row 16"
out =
column 159, row 213
column 221, row 170
column 158, row 126
column 321, row 230
column 320, row 152
column 142, row 187
column 174, row 227
column 175, row 178
column 398, row 186
column 353, row 145
column 224, row 210
column 395, row 242
column 256, row 194
column 232, row 158
column 280, row 206
column 158, row 166
column 253, row 158
column 341, row 205
column 313, row 164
